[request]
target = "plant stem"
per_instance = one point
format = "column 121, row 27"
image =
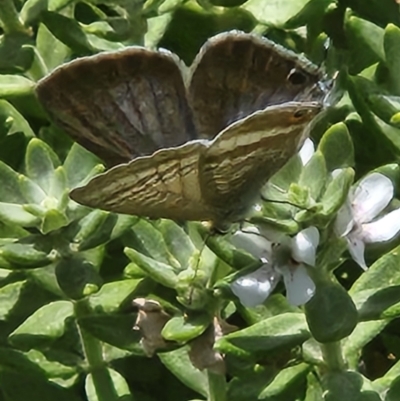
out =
column 216, row 387
column 94, row 356
column 9, row 18
column 333, row 356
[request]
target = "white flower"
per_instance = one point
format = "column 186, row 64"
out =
column 306, row 152
column 355, row 220
column 285, row 259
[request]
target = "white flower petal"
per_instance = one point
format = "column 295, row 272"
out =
column 252, row 242
column 304, row 246
column 356, row 248
column 299, row 286
column 344, row 220
column 371, row 196
column 254, row 288
column 383, row 229
column 306, row 151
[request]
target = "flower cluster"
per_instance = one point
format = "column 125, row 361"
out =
column 359, row 222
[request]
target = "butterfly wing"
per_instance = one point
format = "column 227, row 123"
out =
column 236, row 74
column 243, row 157
column 164, row 185
column 122, row 104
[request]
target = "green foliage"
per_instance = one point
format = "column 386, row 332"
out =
column 68, row 274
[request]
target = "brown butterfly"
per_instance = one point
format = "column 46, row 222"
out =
column 196, row 143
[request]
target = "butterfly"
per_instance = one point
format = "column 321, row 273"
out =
column 185, row 143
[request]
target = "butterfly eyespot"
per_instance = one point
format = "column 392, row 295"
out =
column 296, row 77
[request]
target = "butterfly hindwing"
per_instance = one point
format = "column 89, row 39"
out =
column 163, row 185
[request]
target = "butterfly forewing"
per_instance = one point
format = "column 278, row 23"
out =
column 120, row 105
column 236, row 74
column 244, row 156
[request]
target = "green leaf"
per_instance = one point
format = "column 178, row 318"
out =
column 178, row 363
column 283, row 379
column 365, row 40
column 13, row 121
column 52, row 50
column 274, row 12
column 177, row 241
column 331, row 314
column 53, row 219
column 337, row 147
column 314, row 389
column 40, row 164
column 43, row 327
column 160, row 272
column 16, row 386
column 25, row 255
column 9, row 296
column 183, row 329
column 146, row 239
column 282, row 331
column 376, row 292
column 313, row 175
column 112, row 295
column 100, row 227
column 14, row 58
column 114, row 329
column 16, row 214
column 337, row 191
column 15, row 85
column 78, row 165
column 110, row 385
column 68, row 31
column 77, row 277
column 359, row 338
column 10, row 191
column 391, row 43
column 341, row 386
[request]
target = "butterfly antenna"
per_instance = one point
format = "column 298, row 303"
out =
column 284, row 202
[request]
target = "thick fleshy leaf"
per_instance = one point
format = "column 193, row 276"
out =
column 9, row 296
column 15, row 85
column 68, row 31
column 25, row 254
column 331, row 314
column 366, row 41
column 274, row 13
column 114, row 329
column 337, row 147
column 40, row 164
column 278, row 332
column 44, row 326
column 109, row 384
column 377, row 292
column 183, row 329
column 391, row 43
column 359, row 338
column 314, row 175
column 112, row 295
column 77, row 277
column 78, row 164
column 283, row 379
column 158, row 271
column 178, row 363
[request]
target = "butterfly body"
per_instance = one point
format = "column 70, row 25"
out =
column 195, row 144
